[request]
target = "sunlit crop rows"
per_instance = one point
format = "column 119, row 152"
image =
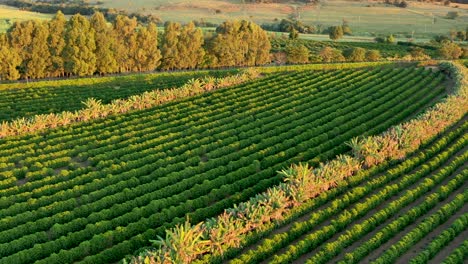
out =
column 96, row 191
column 380, row 215
column 36, row 98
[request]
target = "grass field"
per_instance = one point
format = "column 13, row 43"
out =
column 8, row 15
column 366, row 18
column 93, row 192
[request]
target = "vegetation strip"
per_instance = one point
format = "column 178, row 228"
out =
column 379, row 218
column 94, row 109
column 346, row 217
column 458, row 255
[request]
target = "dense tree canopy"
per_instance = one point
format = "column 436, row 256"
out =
column 240, row 43
column 297, row 53
column 38, row 60
column 169, row 49
column 56, row 43
column 373, row 55
column 146, row 53
column 328, row 54
column 79, row 55
column 21, row 34
column 125, row 31
column 335, row 32
column 190, row 47
column 355, row 54
column 9, row 59
column 105, row 43
column 450, row 50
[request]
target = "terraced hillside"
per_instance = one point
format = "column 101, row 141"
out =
column 407, row 211
column 93, row 192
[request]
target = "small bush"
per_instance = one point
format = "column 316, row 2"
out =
column 373, row 55
column 452, row 14
column 355, row 54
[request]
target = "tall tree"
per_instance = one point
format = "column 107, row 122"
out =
column 169, row 50
column 132, row 46
column 56, row 42
column 240, row 43
column 39, row 54
column 125, row 33
column 258, row 45
column 227, row 44
column 297, row 53
column 150, row 44
column 105, row 44
column 335, row 32
column 190, row 47
column 293, row 34
column 10, row 60
column 80, row 46
column 147, row 55
column 21, row 35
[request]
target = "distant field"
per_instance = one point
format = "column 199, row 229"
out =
column 386, row 50
column 366, row 18
column 325, row 37
column 8, row 15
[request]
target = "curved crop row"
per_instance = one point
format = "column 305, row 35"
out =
column 353, row 195
column 344, row 218
column 96, row 191
column 31, row 99
column 300, row 179
column 95, row 109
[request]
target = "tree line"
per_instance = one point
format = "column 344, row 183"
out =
column 85, row 46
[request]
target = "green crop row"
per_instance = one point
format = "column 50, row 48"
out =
column 30, row 100
column 396, row 226
column 273, row 244
column 458, row 255
column 304, row 181
column 442, row 240
column 131, row 176
column 428, row 224
column 348, row 216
